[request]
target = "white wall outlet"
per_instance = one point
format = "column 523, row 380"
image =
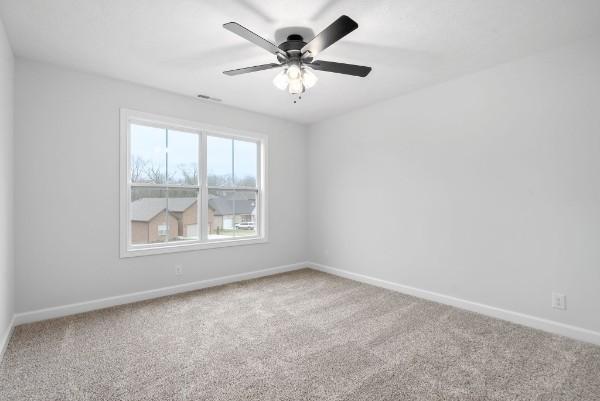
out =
column 178, row 270
column 559, row 301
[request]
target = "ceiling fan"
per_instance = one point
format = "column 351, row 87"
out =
column 298, row 57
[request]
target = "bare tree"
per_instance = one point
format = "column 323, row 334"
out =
column 138, row 169
column 155, row 174
column 189, row 173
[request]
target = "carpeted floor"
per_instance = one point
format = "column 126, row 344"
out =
column 297, row 336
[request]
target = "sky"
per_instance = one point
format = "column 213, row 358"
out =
column 150, row 144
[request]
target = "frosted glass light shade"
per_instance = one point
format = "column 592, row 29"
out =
column 295, row 86
column 308, row 78
column 294, row 72
column 281, row 80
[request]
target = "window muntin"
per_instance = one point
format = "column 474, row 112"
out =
column 189, row 186
column 228, row 210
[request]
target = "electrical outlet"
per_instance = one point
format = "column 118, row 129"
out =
column 559, row 301
column 178, row 270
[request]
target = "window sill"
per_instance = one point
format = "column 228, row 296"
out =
column 188, row 247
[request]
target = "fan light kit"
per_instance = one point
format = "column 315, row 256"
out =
column 295, row 79
column 297, row 58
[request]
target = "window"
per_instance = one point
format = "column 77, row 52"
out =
column 163, row 230
column 188, row 186
column 232, row 186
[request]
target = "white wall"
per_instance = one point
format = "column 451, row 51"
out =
column 67, row 190
column 485, row 188
column 6, row 180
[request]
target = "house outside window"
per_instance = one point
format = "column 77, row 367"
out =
column 187, row 186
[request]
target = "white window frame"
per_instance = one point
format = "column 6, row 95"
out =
column 128, row 117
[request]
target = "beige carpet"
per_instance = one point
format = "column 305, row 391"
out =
column 297, row 336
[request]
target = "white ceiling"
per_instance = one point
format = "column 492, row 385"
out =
column 180, row 45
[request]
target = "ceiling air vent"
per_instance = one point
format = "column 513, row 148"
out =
column 214, row 99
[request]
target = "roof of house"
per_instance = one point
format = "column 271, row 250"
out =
column 145, row 209
column 226, row 207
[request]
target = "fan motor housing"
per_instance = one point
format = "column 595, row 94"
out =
column 292, row 46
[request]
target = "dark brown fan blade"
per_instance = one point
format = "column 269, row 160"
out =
column 251, row 69
column 254, row 38
column 334, row 32
column 340, row 68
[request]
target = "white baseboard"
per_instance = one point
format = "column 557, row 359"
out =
column 71, row 309
column 6, row 337
column 551, row 326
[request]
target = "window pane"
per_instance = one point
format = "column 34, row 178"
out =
column 245, row 154
column 149, row 222
column 219, row 161
column 183, row 157
column 183, row 206
column 245, row 220
column 148, row 154
column 161, row 215
column 231, row 214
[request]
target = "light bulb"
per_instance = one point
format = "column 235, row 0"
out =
column 293, row 71
column 308, row 78
column 281, row 80
column 295, row 86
